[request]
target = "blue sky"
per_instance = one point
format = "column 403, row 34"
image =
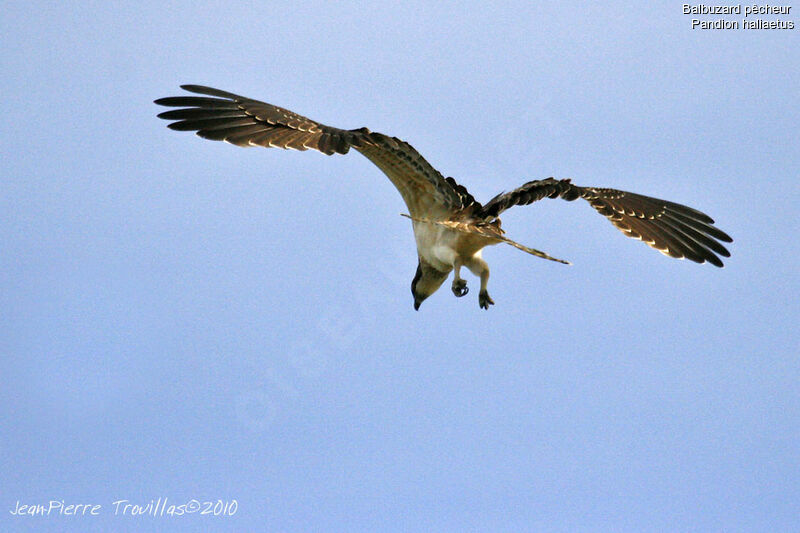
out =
column 190, row 320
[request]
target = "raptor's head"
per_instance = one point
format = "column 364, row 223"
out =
column 426, row 281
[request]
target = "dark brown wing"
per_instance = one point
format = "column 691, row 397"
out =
column 673, row 229
column 426, row 192
column 246, row 122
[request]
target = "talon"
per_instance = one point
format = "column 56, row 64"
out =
column 460, row 287
column 484, row 300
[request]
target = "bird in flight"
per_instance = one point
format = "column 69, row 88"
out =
column 450, row 226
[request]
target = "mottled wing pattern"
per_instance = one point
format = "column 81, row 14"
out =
column 673, row 229
column 424, row 189
column 224, row 116
column 533, row 191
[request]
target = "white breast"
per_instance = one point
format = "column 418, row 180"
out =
column 436, row 245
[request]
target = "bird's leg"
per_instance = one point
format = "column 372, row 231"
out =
column 459, row 285
column 479, row 267
column 484, row 300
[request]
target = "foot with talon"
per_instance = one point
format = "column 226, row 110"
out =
column 484, row 300
column 460, row 287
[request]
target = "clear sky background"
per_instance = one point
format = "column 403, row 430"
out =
column 188, row 320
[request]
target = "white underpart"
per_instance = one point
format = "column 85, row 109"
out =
column 443, row 248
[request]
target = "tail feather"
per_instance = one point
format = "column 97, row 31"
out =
column 533, row 251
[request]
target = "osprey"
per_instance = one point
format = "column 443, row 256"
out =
column 450, row 226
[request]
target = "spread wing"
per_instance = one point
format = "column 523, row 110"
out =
column 224, row 116
column 673, row 229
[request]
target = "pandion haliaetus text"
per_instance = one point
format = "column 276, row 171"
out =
column 450, row 226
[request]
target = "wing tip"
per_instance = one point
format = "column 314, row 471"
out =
column 724, row 237
column 198, row 89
